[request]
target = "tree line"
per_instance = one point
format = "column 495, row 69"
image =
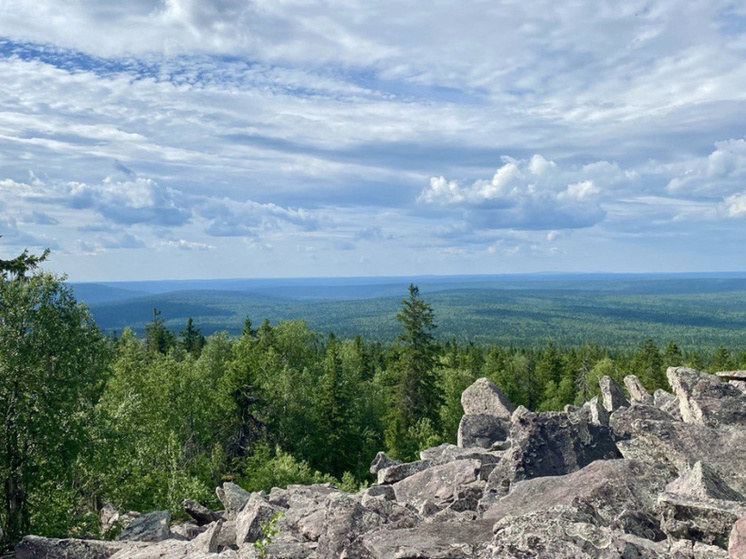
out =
column 144, row 422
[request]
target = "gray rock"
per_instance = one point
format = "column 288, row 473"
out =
column 482, row 431
column 209, row 540
column 439, row 484
column 441, row 540
column 636, row 390
column 35, row 547
column 620, row 494
column 624, row 421
column 705, row 400
column 701, row 520
column 201, row 514
column 612, row 393
column 392, row 474
column 151, row 527
column 385, row 492
column 382, row 461
column 170, row 549
column 550, row 444
column 484, row 397
column 449, row 452
column 737, row 540
column 598, row 415
column 233, row 498
column 667, row 402
column 702, row 482
column 253, row 517
column 732, row 375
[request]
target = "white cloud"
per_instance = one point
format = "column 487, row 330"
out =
column 183, row 244
column 735, row 205
column 719, row 174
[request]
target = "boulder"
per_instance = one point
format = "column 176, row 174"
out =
column 620, row 494
column 209, row 540
column 382, row 461
column 439, row 484
column 171, row 549
column 484, row 397
column 151, row 527
column 550, row 444
column 201, row 514
column 482, row 430
column 702, row 482
column 398, row 472
column 667, row 402
column 442, row 540
column 598, row 413
column 612, row 393
column 709, row 521
column 705, row 400
column 636, row 390
column 251, row 521
column 449, row 452
column 737, row 541
column 35, row 547
column 233, row 498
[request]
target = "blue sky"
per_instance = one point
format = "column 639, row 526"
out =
column 220, row 138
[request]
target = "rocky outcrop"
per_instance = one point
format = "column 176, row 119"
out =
column 656, row 476
column 151, row 527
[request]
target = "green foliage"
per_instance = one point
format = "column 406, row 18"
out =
column 268, row 468
column 269, row 530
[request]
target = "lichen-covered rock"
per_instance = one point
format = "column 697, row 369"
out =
column 35, row 547
column 200, row 513
column 484, row 397
column 701, row 520
column 250, row 521
column 612, row 393
column 382, row 461
column 702, row 482
column 737, row 541
column 439, row 484
column 151, row 527
column 233, row 498
column 447, row 452
column 636, row 390
column 620, row 494
column 482, row 431
column 598, row 413
column 398, row 472
column 706, row 400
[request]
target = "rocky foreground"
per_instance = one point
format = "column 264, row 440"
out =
column 632, row 475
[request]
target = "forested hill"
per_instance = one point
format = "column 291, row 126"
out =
column 703, row 310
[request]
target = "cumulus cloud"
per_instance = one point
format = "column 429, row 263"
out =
column 230, row 218
column 719, row 174
column 735, row 205
column 529, row 194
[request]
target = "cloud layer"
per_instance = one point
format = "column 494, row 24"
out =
column 354, row 138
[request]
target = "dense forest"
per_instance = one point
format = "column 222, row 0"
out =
column 145, row 421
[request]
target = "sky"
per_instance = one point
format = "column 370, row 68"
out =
column 179, row 139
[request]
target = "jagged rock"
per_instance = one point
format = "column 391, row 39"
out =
column 35, row 547
column 675, row 445
column 346, row 519
column 171, row 549
column 620, row 494
column 398, row 472
column 201, row 514
column 385, row 492
column 382, row 461
column 187, row 530
column 482, row 430
column 612, row 393
column 732, row 375
column 484, row 397
column 449, row 452
column 209, row 540
column 550, row 444
column 301, row 496
column 636, row 390
column 233, row 498
column 737, row 541
column 624, row 421
column 703, row 482
column 562, row 533
column 705, row 400
column 598, row 415
column 151, row 527
column 256, row 513
column 703, row 520
column 442, row 540
column 439, row 484
column 667, row 402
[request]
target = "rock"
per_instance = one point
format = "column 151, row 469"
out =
column 624, row 421
column 702, row 482
column 35, row 547
column 171, row 549
column 484, row 397
column 233, row 498
column 187, row 530
column 251, row 521
column 201, row 514
column 382, row 461
column 209, row 540
column 668, row 403
column 636, row 390
column 442, row 540
column 620, row 494
column 482, row 431
column 732, row 375
column 613, row 396
column 599, row 415
column 737, row 541
column 550, row 444
column 449, row 452
column 701, row 520
column 108, row 518
column 705, row 400
column 151, row 527
column 398, row 472
column 439, row 484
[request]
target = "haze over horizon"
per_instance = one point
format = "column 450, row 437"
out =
column 183, row 139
